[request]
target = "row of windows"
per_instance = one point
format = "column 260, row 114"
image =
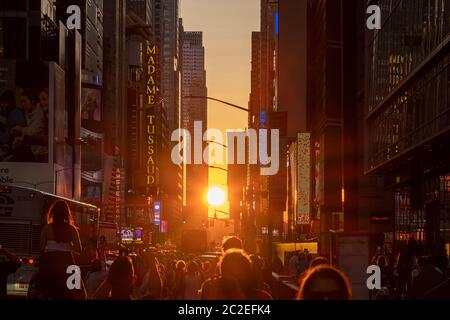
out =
column 411, row 30
column 418, row 112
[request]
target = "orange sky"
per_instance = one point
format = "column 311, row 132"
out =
column 227, row 26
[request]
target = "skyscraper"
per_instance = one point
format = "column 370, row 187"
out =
column 166, row 24
column 195, row 180
column 263, row 105
column 114, row 96
column 143, row 164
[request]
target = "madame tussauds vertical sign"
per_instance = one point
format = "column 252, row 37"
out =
column 150, row 115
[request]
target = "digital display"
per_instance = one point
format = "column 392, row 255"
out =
column 126, row 235
column 137, row 235
column 131, row 235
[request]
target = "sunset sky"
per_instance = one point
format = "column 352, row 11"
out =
column 227, row 27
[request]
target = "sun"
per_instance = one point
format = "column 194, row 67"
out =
column 216, row 196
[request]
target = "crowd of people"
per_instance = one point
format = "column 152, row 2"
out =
column 156, row 275
column 414, row 273
column 162, row 275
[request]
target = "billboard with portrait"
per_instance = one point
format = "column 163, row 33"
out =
column 26, row 123
column 24, row 111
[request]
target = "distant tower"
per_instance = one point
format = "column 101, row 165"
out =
column 195, row 178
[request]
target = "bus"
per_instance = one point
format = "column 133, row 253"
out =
column 22, row 216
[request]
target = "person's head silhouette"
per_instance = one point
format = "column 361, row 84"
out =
column 121, row 278
column 325, row 283
column 236, row 264
column 231, row 243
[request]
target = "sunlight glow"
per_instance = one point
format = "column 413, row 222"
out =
column 216, row 196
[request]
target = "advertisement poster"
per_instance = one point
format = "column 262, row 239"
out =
column 26, row 105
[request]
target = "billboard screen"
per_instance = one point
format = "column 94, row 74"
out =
column 303, row 178
column 126, row 235
column 91, row 104
column 131, row 235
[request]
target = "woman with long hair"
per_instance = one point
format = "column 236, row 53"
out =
column 60, row 240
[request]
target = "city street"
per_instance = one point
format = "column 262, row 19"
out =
column 211, row 150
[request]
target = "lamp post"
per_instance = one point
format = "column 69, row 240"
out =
column 218, row 100
column 218, row 143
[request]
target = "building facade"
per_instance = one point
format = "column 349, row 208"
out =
column 195, row 176
column 33, row 32
column 167, row 26
column 407, row 114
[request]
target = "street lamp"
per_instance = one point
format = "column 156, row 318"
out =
column 220, row 144
column 34, row 185
column 218, row 100
column 218, row 168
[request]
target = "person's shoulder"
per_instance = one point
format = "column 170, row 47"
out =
column 259, row 294
column 73, row 228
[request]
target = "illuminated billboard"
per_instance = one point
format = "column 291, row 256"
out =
column 157, row 213
column 129, row 235
column 303, row 178
column 151, row 104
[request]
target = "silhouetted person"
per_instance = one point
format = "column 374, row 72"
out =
column 178, row 288
column 236, row 264
column 59, row 242
column 277, row 264
column 258, row 266
column 152, row 283
column 441, row 257
column 94, row 278
column 428, row 278
column 221, row 288
column 120, row 282
column 325, row 283
column 231, row 243
column 294, row 265
column 192, row 282
column 318, row 261
column 387, row 281
column 403, row 268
